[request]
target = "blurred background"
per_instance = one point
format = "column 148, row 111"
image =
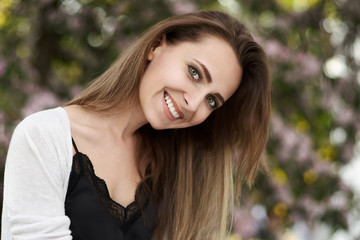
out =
column 50, row 49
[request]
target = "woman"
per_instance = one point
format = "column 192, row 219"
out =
column 163, row 131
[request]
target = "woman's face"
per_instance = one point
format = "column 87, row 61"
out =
column 185, row 82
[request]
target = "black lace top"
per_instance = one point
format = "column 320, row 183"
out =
column 94, row 215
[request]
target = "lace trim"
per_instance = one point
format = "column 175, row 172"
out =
column 124, row 216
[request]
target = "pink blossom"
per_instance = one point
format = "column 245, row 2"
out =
column 40, row 100
column 304, row 151
column 75, row 24
column 180, row 7
column 321, row 167
column 310, row 66
column 313, row 209
column 277, row 51
column 244, row 224
column 348, row 149
column 284, row 195
column 346, row 116
column 287, row 136
column 75, row 91
column 283, row 23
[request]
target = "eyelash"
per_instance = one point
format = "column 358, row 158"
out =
column 192, row 74
column 208, row 97
column 211, row 97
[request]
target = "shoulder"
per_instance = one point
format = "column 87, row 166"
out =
column 42, row 141
column 53, row 119
column 51, row 123
column 47, row 129
column 36, row 176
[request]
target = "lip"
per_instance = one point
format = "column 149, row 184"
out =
column 167, row 111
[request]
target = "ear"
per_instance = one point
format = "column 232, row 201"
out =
column 159, row 44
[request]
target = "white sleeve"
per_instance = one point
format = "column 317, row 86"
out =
column 35, row 181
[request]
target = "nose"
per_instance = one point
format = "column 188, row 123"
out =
column 194, row 99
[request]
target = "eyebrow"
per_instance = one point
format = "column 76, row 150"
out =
column 209, row 80
column 206, row 71
column 220, row 98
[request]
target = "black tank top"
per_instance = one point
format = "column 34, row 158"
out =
column 95, row 216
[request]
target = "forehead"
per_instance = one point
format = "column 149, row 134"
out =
column 219, row 58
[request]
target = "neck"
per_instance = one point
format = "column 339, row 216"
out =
column 129, row 121
column 121, row 124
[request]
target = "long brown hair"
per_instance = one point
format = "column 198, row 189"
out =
column 195, row 173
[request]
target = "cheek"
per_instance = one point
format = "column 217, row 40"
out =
column 199, row 118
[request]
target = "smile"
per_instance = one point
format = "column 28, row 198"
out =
column 172, row 107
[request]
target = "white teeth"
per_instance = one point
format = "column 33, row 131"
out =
column 171, row 107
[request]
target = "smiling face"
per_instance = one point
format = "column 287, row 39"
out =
column 185, row 82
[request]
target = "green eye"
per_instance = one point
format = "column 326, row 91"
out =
column 194, row 73
column 211, row 101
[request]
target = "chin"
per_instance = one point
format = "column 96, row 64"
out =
column 157, row 125
column 162, row 127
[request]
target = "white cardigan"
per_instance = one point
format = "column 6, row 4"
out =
column 36, row 178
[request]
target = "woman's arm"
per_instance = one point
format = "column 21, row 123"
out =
column 36, row 178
